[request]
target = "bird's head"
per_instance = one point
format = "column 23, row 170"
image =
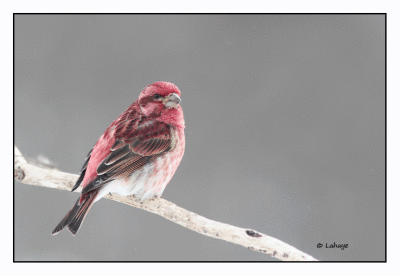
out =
column 161, row 101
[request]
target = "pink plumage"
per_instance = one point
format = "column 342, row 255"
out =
column 137, row 155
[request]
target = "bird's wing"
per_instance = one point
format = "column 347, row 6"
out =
column 135, row 143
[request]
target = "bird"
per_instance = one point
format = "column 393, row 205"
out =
column 136, row 156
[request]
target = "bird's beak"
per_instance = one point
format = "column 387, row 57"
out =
column 172, row 101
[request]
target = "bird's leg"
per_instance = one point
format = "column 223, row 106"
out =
column 155, row 197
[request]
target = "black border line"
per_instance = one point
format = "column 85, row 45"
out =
column 385, row 14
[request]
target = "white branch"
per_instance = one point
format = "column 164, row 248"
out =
column 33, row 175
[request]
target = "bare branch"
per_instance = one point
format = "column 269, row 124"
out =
column 33, row 175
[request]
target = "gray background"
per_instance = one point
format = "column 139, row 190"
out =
column 284, row 119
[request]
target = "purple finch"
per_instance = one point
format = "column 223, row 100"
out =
column 137, row 155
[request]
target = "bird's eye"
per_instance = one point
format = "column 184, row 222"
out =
column 157, row 96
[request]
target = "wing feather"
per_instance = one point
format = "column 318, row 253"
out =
column 117, row 154
column 118, row 145
column 83, row 172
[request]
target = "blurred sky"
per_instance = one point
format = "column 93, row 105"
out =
column 285, row 120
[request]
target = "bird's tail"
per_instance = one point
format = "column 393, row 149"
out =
column 77, row 214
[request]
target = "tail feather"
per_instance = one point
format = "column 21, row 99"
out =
column 77, row 214
column 74, row 225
